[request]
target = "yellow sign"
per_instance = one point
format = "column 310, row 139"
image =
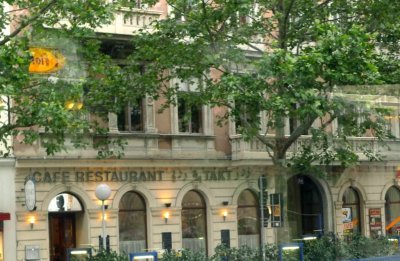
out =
column 46, row 60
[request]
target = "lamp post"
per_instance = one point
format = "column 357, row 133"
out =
column 103, row 192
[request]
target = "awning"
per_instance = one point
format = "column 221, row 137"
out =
column 4, row 216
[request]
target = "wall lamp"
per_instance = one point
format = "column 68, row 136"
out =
column 32, row 221
column 166, row 213
column 224, row 214
column 166, row 216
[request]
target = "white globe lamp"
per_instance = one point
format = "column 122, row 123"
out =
column 103, row 192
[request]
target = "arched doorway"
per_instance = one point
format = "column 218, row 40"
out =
column 351, row 212
column 194, row 222
column 392, row 211
column 132, row 221
column 305, row 208
column 66, row 225
column 248, row 219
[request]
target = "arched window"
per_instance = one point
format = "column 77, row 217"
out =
column 194, row 222
column 392, row 211
column 248, row 219
column 132, row 223
column 351, row 212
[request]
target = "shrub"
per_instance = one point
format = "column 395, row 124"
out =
column 105, row 256
column 330, row 247
column 223, row 253
column 184, row 255
column 325, row 248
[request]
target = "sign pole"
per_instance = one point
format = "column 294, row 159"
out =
column 261, row 187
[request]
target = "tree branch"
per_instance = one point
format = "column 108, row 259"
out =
column 27, row 22
column 297, row 133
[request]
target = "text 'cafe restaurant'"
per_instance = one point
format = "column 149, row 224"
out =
column 149, row 208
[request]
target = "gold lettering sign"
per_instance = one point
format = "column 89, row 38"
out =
column 46, row 60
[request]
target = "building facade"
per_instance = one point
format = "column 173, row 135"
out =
column 194, row 190
column 187, row 184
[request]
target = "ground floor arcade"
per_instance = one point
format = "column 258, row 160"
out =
column 158, row 205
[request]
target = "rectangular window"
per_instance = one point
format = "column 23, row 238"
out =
column 189, row 112
column 241, row 116
column 351, row 121
column 295, row 121
column 189, row 116
column 130, row 119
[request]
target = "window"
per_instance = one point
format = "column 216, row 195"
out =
column 241, row 116
column 350, row 122
column 351, row 212
column 132, row 223
column 130, row 119
column 248, row 220
column 189, row 116
column 295, row 120
column 392, row 211
column 189, row 112
column 194, row 222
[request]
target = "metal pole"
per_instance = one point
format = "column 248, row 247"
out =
column 262, row 218
column 103, row 224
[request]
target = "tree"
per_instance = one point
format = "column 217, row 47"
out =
column 287, row 58
column 31, row 101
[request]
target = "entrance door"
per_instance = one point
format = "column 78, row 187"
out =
column 62, row 235
column 305, row 211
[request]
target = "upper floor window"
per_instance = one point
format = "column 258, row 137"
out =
column 189, row 112
column 350, row 122
column 189, row 116
column 130, row 118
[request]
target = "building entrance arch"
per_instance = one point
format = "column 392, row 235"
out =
column 305, row 207
column 67, row 227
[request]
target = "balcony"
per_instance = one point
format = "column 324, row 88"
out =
column 128, row 21
column 255, row 149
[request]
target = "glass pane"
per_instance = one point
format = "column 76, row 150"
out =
column 247, row 198
column 130, row 118
column 132, row 223
column 350, row 197
column 196, row 119
column 351, row 200
column 193, row 199
column 194, row 222
column 122, row 121
column 137, row 116
column 393, row 195
column 248, row 219
column 132, row 201
column 248, row 222
column 392, row 210
column 64, row 202
column 182, row 116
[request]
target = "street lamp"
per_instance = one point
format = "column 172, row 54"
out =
column 103, row 192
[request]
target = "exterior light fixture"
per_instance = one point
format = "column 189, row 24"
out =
column 32, row 221
column 103, row 192
column 224, row 214
column 166, row 216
